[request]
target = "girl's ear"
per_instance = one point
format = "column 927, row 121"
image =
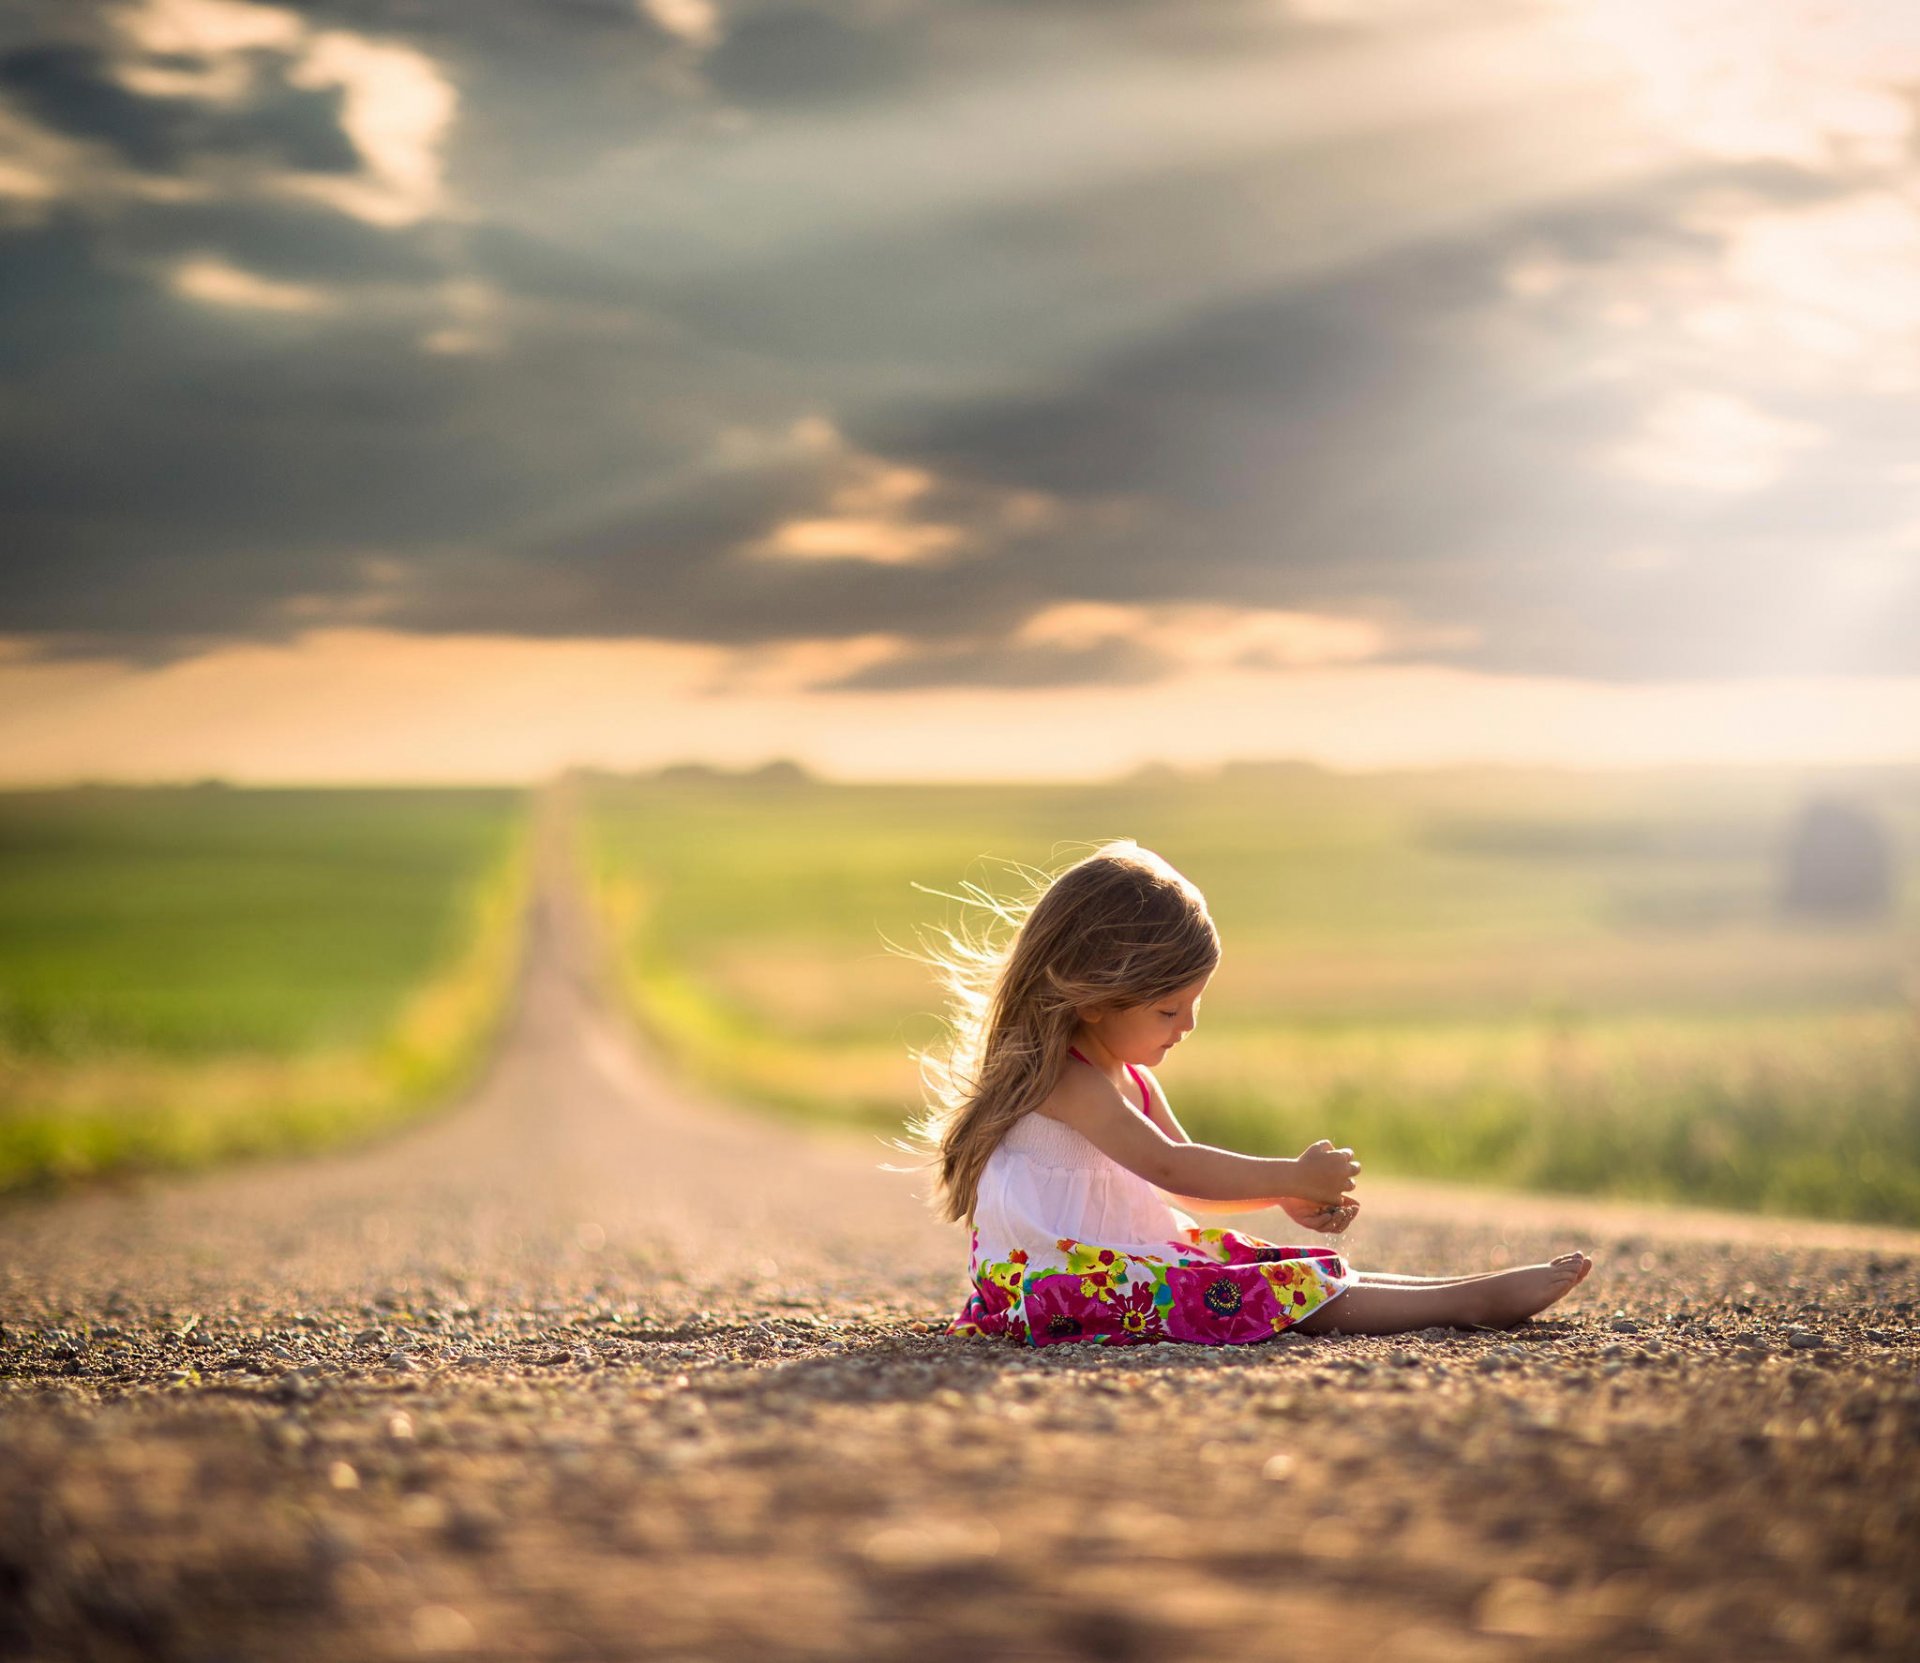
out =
column 1091, row 1014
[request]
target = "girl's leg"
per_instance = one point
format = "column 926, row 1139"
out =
column 1497, row 1300
column 1394, row 1278
column 1399, row 1279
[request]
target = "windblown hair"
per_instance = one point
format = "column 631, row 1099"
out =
column 1116, row 929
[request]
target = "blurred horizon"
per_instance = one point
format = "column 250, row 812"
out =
column 267, row 715
column 785, row 770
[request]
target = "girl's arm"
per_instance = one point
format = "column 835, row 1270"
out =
column 1089, row 1104
column 1168, row 1122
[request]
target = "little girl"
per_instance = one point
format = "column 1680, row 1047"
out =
column 1051, row 1139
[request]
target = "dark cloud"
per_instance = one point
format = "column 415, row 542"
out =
column 1008, row 664
column 177, row 473
column 284, row 240
column 70, row 89
column 801, row 55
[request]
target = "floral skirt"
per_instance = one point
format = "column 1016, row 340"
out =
column 1211, row 1287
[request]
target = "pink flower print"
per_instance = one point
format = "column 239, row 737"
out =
column 1298, row 1290
column 1230, row 1247
column 1136, row 1316
column 990, row 1297
column 1219, row 1304
column 1017, row 1322
column 979, row 1318
column 992, row 1307
column 1004, row 1277
column 1100, row 1270
column 1057, row 1310
column 1210, row 1239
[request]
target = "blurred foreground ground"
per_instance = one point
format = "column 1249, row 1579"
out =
column 586, row 1369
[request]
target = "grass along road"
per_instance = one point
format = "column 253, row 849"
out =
column 189, row 975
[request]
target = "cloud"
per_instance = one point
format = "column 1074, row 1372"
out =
column 1713, row 442
column 695, row 21
column 396, row 107
column 73, row 89
column 207, row 28
column 1080, row 643
column 873, row 328
column 220, row 284
column 1796, row 81
column 1112, row 662
column 788, row 55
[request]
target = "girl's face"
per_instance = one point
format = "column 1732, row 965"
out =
column 1145, row 1033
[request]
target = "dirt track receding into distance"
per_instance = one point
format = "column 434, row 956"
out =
column 586, row 1368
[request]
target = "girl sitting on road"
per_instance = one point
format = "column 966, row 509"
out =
column 1053, row 1141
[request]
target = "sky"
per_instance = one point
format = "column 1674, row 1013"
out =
column 467, row 389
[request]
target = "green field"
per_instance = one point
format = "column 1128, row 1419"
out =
column 195, row 972
column 1572, row 982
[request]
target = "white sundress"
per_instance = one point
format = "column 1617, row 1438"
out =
column 1070, row 1245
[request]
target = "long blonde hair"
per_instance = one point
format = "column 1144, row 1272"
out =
column 1118, row 928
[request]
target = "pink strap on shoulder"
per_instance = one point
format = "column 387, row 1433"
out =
column 1146, row 1098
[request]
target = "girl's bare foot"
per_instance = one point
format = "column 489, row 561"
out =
column 1514, row 1295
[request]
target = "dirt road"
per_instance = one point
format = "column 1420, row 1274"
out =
column 589, row 1369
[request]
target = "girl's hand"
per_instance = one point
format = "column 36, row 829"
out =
column 1326, row 1173
column 1329, row 1218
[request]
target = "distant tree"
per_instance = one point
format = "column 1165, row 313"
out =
column 780, row 771
column 1276, row 768
column 1839, row 862
column 1155, row 774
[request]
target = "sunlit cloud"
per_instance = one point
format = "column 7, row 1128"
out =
column 879, row 511
column 784, row 669
column 220, row 79
column 219, row 284
column 398, row 109
column 209, row 27
column 37, row 168
column 1802, row 81
column 23, row 183
column 694, row 21
column 1117, row 645
column 1713, row 442
column 848, row 537
column 1199, row 636
column 1845, row 276
column 866, row 520
column 475, row 320
column 397, row 104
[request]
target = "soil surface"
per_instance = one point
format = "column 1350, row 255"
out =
column 589, row 1368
